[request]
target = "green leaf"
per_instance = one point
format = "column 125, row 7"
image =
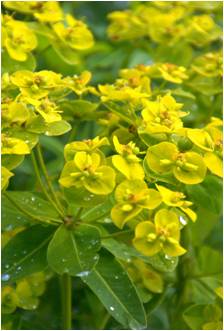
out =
column 73, row 251
column 124, row 252
column 207, row 194
column 11, row 217
column 182, row 93
column 81, row 197
column 25, row 253
column 66, row 53
column 12, row 161
column 97, row 212
column 34, row 205
column 111, row 284
column 9, row 65
column 57, row 128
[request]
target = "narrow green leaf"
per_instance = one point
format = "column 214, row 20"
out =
column 74, row 251
column 26, row 253
column 124, row 252
column 34, row 205
column 11, row 217
column 111, row 284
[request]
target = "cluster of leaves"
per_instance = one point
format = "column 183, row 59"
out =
column 143, row 164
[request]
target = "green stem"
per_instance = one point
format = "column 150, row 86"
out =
column 104, row 322
column 116, row 234
column 26, row 213
column 36, row 169
column 66, row 293
column 44, row 169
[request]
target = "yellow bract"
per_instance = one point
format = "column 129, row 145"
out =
column 132, row 90
column 176, row 199
column 5, row 176
column 12, row 145
column 86, row 170
column 188, row 168
column 132, row 197
column 127, row 162
column 87, row 145
column 164, row 234
column 17, row 38
column 78, row 84
column 44, row 11
column 75, row 34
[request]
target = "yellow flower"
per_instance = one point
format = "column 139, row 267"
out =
column 133, row 90
column 188, row 167
column 176, row 199
column 9, row 300
column 46, row 108
column 88, row 145
column 162, row 115
column 127, row 162
column 213, row 159
column 5, row 176
column 78, row 84
column 168, row 71
column 36, row 85
column 14, row 112
column 164, row 234
column 44, row 11
column 132, row 197
column 208, row 65
column 17, row 38
column 75, row 34
column 86, row 170
column 202, row 30
column 12, row 145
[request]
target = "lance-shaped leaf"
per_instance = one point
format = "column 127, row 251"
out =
column 109, row 281
column 74, row 251
column 25, row 253
column 124, row 252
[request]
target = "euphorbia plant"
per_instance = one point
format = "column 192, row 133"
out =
column 120, row 210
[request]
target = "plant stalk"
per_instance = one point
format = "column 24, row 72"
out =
column 66, row 294
column 36, row 169
column 44, row 169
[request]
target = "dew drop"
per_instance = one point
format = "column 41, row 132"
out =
column 182, row 220
column 83, row 274
column 5, row 277
column 167, row 257
column 111, row 308
column 6, row 266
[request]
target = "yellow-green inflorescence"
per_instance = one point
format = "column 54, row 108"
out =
column 150, row 154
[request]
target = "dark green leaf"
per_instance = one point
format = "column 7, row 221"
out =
column 73, row 251
column 111, row 284
column 33, row 204
column 25, row 253
column 124, row 252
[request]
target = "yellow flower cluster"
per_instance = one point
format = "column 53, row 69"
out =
column 25, row 294
column 164, row 24
column 29, row 108
column 64, row 30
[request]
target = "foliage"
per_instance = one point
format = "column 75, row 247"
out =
column 111, row 165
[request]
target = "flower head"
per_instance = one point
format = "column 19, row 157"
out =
column 86, row 170
column 132, row 197
column 163, row 234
